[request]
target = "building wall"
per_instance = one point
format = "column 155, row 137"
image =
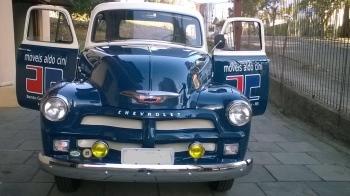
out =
column 7, row 48
column 7, row 56
column 19, row 17
column 12, row 19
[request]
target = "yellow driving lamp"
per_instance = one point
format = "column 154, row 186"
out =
column 196, row 150
column 99, row 149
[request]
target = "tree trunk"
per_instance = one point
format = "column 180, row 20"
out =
column 238, row 25
column 274, row 14
column 345, row 28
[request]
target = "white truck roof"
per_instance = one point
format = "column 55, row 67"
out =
column 145, row 6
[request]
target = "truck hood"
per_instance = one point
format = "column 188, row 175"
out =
column 148, row 76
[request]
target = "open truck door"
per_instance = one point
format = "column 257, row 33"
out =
column 240, row 60
column 47, row 54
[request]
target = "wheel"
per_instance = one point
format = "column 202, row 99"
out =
column 66, row 185
column 221, row 186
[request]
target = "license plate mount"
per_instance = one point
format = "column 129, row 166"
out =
column 147, row 156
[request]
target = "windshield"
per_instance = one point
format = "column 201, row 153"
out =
column 114, row 25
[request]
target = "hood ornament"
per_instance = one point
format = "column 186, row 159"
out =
column 149, row 97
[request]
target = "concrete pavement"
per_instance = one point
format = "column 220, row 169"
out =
column 290, row 159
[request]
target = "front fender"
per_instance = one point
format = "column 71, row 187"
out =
column 78, row 95
column 217, row 97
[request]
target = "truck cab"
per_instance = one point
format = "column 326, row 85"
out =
column 144, row 101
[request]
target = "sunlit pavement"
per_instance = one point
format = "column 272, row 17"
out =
column 289, row 159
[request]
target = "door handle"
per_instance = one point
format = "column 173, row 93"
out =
column 24, row 49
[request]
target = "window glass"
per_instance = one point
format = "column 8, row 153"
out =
column 192, row 34
column 247, row 33
column 100, row 30
column 153, row 30
column 116, row 25
column 49, row 26
column 229, row 36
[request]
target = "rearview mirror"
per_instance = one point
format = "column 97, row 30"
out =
column 219, row 41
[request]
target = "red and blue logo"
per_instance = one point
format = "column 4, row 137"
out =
column 44, row 79
column 246, row 83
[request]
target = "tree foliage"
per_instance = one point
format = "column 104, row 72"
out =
column 250, row 8
column 321, row 11
column 321, row 8
column 272, row 8
column 84, row 6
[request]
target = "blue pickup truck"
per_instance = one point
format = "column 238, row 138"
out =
column 144, row 101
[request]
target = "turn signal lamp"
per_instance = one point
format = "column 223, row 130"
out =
column 61, row 145
column 99, row 149
column 196, row 150
column 231, row 149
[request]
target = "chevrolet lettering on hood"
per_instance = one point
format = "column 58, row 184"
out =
column 148, row 114
column 144, row 101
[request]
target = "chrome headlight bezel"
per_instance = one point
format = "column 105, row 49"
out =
column 242, row 106
column 63, row 107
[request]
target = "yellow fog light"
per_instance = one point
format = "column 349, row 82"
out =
column 196, row 150
column 99, row 149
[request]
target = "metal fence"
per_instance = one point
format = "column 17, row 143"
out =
column 309, row 49
column 311, row 52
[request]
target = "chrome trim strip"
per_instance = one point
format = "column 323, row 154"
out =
column 87, row 143
column 182, row 147
column 178, row 147
column 112, row 122
column 145, row 173
column 161, row 125
column 166, row 125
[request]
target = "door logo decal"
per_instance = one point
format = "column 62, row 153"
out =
column 246, row 83
column 35, row 85
column 43, row 80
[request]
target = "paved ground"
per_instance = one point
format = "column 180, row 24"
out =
column 289, row 160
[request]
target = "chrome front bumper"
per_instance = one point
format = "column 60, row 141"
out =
column 145, row 173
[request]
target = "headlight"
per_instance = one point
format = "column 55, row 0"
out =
column 239, row 113
column 54, row 108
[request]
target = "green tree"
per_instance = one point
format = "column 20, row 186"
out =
column 84, row 6
column 321, row 11
column 272, row 7
column 250, row 8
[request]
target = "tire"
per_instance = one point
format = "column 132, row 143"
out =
column 66, row 185
column 221, row 186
